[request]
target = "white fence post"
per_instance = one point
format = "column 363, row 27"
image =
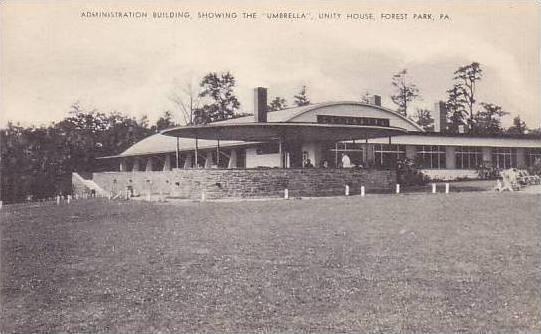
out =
column 57, row 199
column 347, row 190
column 447, row 188
column 362, row 191
column 286, row 193
column 433, row 188
column 69, row 199
column 398, row 188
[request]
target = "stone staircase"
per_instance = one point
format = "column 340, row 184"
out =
column 86, row 186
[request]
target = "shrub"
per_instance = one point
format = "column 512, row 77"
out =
column 409, row 175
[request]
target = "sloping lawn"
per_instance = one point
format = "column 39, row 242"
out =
column 463, row 262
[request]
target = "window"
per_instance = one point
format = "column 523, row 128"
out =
column 385, row 155
column 431, row 157
column 468, row 157
column 504, row 157
column 532, row 155
column 348, row 120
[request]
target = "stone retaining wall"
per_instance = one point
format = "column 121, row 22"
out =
column 247, row 183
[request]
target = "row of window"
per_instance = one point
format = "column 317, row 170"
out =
column 428, row 156
column 434, row 157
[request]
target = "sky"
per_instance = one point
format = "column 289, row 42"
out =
column 51, row 56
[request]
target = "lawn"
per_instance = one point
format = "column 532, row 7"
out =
column 456, row 263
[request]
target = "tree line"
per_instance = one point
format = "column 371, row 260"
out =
column 37, row 162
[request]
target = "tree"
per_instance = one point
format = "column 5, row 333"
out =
column 218, row 89
column 38, row 161
column 278, row 103
column 423, row 117
column 165, row 121
column 186, row 99
column 519, row 127
column 456, row 104
column 488, row 120
column 301, row 99
column 365, row 97
column 405, row 92
column 466, row 78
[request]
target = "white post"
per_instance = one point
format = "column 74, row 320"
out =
column 362, row 191
column 433, row 188
column 447, row 188
column 1, row 203
column 398, row 188
column 286, row 193
column 69, row 199
column 347, row 190
column 57, row 199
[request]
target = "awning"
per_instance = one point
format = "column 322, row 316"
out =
column 286, row 131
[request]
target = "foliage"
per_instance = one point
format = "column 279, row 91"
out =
column 36, row 160
column 405, row 92
column 518, row 128
column 165, row 121
column 456, row 105
column 488, row 120
column 278, row 103
column 301, row 99
column 365, row 97
column 186, row 99
column 461, row 100
column 408, row 173
column 218, row 89
column 423, row 117
column 487, row 171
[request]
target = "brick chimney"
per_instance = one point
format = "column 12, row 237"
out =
column 440, row 117
column 260, row 105
column 375, row 100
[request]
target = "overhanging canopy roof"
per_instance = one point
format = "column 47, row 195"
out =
column 285, row 130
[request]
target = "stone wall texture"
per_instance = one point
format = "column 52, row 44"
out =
column 247, row 183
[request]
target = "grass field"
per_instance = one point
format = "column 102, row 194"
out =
column 457, row 263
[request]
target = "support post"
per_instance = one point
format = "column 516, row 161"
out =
column 218, row 153
column 178, row 154
column 196, row 163
column 336, row 155
column 281, row 151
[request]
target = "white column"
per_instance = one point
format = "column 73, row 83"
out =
column 167, row 163
column 188, row 163
column 148, row 167
column 123, row 165
column 521, row 157
column 136, row 167
column 450, row 159
column 208, row 160
column 232, row 159
column 487, row 153
column 411, row 152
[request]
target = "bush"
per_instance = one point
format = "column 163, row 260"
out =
column 409, row 175
column 487, row 171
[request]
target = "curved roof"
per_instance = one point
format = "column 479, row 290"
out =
column 161, row 143
column 290, row 114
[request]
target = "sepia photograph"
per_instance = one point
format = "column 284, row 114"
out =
column 270, row 167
